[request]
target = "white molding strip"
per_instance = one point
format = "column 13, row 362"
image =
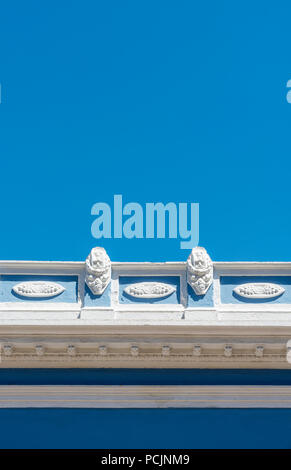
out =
column 19, row 266
column 161, row 396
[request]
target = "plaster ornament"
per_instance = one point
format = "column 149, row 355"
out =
column 98, row 270
column 259, row 351
column 166, row 350
column 134, row 350
column 8, row 349
column 149, row 290
column 197, row 350
column 39, row 349
column 39, row 289
column 71, row 350
column 199, row 270
column 228, row 350
column 103, row 350
column 262, row 290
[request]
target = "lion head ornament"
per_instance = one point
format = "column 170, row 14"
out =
column 199, row 270
column 98, row 270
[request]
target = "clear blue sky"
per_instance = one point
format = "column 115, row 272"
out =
column 158, row 101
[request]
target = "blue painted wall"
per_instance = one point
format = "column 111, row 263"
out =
column 144, row 377
column 145, row 428
column 228, row 283
column 200, row 300
column 70, row 283
column 103, row 300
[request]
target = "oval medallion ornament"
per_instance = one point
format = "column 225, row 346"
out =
column 38, row 289
column 263, row 290
column 149, row 290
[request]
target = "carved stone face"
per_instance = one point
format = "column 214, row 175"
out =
column 98, row 269
column 98, row 260
column 199, row 270
column 200, row 260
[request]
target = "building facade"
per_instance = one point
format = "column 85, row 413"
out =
column 104, row 354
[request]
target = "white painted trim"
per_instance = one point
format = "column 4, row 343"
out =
column 38, row 306
column 146, row 307
column 180, row 329
column 159, row 346
column 146, row 396
column 223, row 267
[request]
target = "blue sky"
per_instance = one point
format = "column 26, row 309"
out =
column 158, row 101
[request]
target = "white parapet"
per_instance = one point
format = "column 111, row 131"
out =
column 100, row 313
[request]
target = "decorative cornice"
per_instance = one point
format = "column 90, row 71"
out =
column 163, row 351
column 28, row 267
column 76, row 267
column 217, row 330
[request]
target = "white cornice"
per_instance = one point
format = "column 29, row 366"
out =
column 146, row 346
column 79, row 327
column 57, row 334
column 252, row 268
column 41, row 267
column 77, row 266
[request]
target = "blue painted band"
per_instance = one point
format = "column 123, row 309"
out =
column 144, row 377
